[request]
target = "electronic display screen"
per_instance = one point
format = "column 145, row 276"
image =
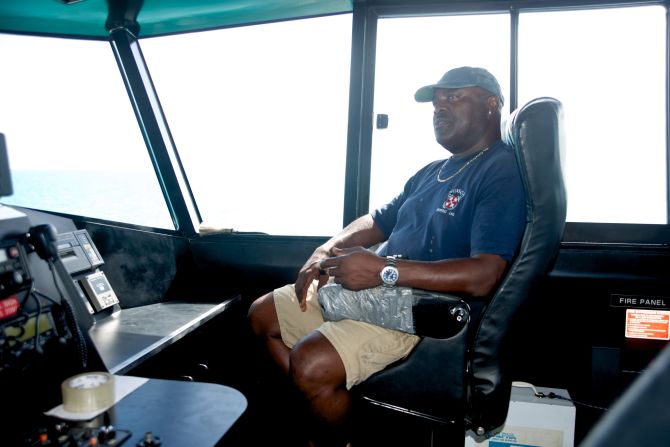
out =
column 99, row 285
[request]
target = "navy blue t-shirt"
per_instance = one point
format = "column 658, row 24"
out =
column 480, row 210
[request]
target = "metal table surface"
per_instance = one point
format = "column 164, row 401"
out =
column 192, row 414
column 127, row 337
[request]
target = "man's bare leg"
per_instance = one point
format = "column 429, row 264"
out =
column 317, row 370
column 313, row 365
column 264, row 323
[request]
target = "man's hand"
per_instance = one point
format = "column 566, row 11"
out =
column 360, row 232
column 308, row 273
column 355, row 268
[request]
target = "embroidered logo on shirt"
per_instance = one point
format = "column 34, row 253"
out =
column 453, row 199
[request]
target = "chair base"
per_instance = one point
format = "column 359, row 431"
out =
column 378, row 424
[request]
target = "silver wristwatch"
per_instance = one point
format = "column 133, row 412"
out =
column 389, row 273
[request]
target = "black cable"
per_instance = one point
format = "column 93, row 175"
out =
column 62, row 327
column 38, row 347
column 553, row 395
column 72, row 321
column 12, row 345
column 18, row 323
column 45, row 296
column 30, row 287
column 31, row 294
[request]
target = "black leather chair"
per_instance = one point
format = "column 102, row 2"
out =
column 460, row 382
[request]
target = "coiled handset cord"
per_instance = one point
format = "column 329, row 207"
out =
column 43, row 239
column 71, row 320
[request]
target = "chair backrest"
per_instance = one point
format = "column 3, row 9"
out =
column 535, row 132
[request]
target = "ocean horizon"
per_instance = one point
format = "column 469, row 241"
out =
column 132, row 197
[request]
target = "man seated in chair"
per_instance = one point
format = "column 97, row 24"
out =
column 457, row 223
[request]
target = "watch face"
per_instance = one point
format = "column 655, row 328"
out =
column 389, row 275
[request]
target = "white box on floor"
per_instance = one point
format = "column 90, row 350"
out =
column 533, row 421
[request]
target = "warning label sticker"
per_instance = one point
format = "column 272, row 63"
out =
column 648, row 324
column 9, row 307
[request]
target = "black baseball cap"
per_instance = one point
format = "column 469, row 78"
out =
column 459, row 78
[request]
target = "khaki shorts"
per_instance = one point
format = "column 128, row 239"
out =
column 364, row 348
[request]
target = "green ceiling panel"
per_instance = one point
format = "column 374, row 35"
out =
column 173, row 17
column 87, row 18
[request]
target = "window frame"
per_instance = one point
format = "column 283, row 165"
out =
column 360, row 144
column 300, row 129
column 55, row 44
column 359, row 134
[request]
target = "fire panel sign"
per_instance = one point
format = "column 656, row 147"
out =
column 640, row 302
column 648, row 324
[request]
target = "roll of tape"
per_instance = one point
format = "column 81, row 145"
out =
column 87, row 392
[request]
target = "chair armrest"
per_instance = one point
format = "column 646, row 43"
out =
column 438, row 315
column 415, row 311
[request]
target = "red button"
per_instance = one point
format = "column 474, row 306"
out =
column 13, row 252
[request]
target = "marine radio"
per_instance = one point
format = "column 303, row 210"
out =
column 18, row 323
column 34, row 315
column 83, row 261
column 14, row 277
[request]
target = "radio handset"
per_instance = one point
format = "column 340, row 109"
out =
column 43, row 239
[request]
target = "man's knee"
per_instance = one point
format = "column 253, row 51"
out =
column 262, row 315
column 315, row 364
